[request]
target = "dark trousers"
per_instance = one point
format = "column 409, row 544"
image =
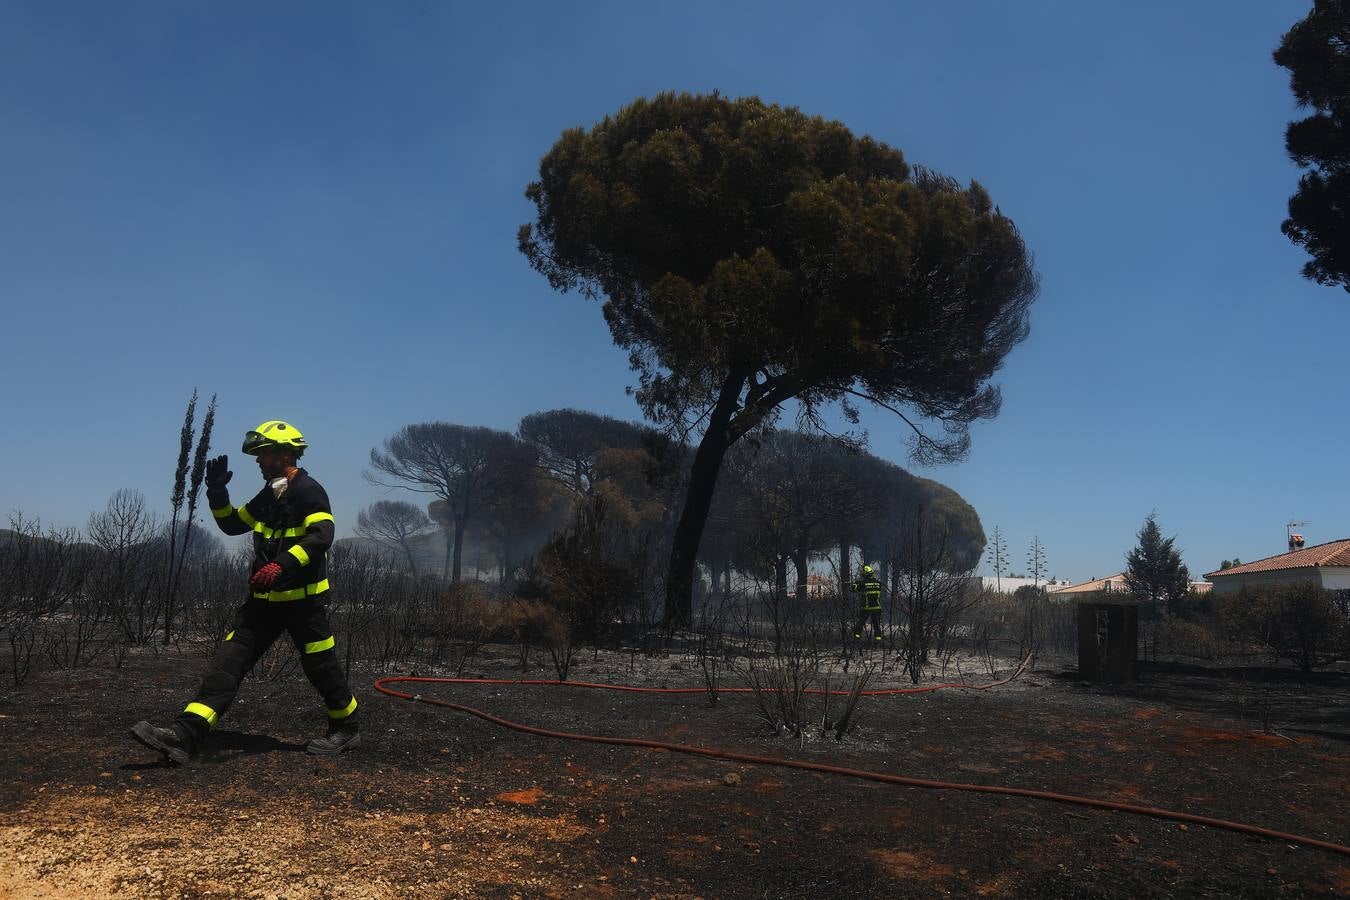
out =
column 875, row 615
column 256, row 625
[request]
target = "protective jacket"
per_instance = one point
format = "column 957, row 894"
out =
column 295, row 530
column 870, row 588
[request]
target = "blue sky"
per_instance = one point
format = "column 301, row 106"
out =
column 310, row 209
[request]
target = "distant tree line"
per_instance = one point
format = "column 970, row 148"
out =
column 788, row 498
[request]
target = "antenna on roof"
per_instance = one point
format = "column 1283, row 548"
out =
column 1295, row 540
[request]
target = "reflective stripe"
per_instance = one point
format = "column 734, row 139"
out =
column 308, row 590
column 319, row 646
column 299, row 553
column 229, row 636
column 343, row 713
column 316, row 518
column 270, row 533
column 206, row 712
column 223, row 512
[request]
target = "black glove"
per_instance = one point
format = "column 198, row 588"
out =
column 218, row 473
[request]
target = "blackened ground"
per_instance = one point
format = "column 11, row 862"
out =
column 440, row 804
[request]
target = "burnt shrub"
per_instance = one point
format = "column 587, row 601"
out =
column 580, row 575
column 461, row 621
column 1023, row 622
column 1200, row 640
column 534, row 622
column 42, row 575
column 1300, row 622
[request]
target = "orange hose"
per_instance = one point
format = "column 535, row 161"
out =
column 883, row 777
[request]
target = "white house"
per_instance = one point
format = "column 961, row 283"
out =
column 1114, row 582
column 1325, row 565
column 1109, row 584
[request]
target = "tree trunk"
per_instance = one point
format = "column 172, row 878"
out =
column 844, row 578
column 698, row 500
column 780, row 578
column 459, row 549
column 449, row 552
column 407, row 550
column 508, row 553
column 799, row 560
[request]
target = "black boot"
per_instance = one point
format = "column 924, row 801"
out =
column 341, row 738
column 176, row 746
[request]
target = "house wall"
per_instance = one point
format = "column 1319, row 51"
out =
column 1331, row 577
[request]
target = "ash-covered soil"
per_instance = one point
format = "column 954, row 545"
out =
column 441, row 804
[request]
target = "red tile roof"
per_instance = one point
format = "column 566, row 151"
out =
column 1332, row 553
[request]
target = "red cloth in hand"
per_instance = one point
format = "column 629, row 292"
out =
column 264, row 577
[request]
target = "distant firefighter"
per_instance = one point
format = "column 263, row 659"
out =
column 870, row 588
column 292, row 526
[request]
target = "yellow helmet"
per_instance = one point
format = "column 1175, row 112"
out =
column 867, row 569
column 275, row 433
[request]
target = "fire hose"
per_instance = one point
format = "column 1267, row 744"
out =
column 381, row 685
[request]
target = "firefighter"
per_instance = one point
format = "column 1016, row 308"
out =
column 870, row 588
column 292, row 527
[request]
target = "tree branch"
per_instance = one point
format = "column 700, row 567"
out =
column 923, row 438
